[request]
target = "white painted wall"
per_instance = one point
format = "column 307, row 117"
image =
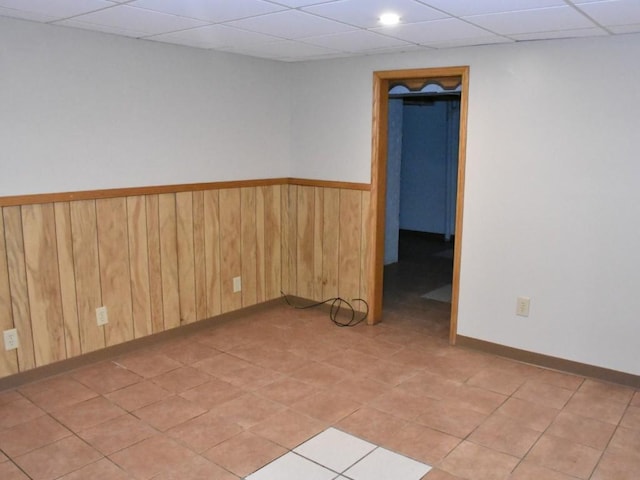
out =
column 552, row 185
column 83, row 110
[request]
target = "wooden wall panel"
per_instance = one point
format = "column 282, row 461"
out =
column 87, row 273
column 212, row 252
column 273, row 242
column 248, row 240
column 230, row 247
column 289, row 240
column 14, row 243
column 139, row 266
column 155, row 264
column 8, row 360
column 318, row 241
column 169, row 260
column 64, row 241
column 260, row 246
column 115, row 271
column 330, row 242
column 305, row 241
column 186, row 259
column 350, row 225
column 200, row 271
column 43, row 282
column 364, row 249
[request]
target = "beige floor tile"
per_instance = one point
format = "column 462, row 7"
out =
column 618, row 464
column 472, row 461
column 388, row 372
column 196, row 468
column 631, row 418
column 437, row 474
column 188, row 351
column 564, row 456
column 289, row 428
column 204, row 432
column 430, row 385
column 286, row 391
column 610, row 391
column 106, row 377
column 9, row 471
column 506, row 435
column 372, row 425
column 361, row 389
column 103, row 469
column 626, row 439
column 245, row 453
column 169, row 412
column 530, row 471
column 151, row 457
column 477, row 399
column 351, row 360
column 558, row 379
column 247, row 410
column 400, row 403
column 117, row 434
column 544, row 394
column 88, row 413
column 596, row 407
column 327, row 406
column 635, row 401
column 320, row 374
column 148, row 364
column 57, row 392
column 30, row 435
column 223, row 366
column 377, row 348
column 422, row 443
column 137, row 396
column 252, row 377
column 9, row 396
column 57, row 459
column 583, row 430
column 531, row 415
column 443, row 416
column 496, row 381
column 181, row 379
column 214, row 392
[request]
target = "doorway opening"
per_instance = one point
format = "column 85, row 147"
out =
column 449, row 79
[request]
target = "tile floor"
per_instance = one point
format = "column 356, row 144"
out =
column 227, row 401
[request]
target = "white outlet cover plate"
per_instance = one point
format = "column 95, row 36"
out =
column 11, row 339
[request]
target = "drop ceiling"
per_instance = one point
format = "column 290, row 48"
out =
column 297, row 30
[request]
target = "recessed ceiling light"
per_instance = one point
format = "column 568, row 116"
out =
column 389, row 19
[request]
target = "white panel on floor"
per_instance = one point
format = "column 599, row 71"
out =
column 292, row 467
column 335, row 449
column 382, row 464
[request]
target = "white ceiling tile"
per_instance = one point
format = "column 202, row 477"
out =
column 300, row 3
column 72, row 22
column 215, row 36
column 470, row 42
column 291, row 24
column 620, row 12
column 139, row 20
column 436, row 31
column 465, row 7
column 528, row 21
column 625, row 28
column 35, row 17
column 210, row 11
column 359, row 41
column 56, row 8
column 366, row 13
column 287, row 50
column 582, row 32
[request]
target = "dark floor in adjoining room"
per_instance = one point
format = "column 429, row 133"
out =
column 224, row 402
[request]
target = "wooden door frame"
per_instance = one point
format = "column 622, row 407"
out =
column 382, row 80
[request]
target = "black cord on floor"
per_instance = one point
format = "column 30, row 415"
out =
column 336, row 305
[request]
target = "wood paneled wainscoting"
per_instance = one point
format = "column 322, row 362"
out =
column 162, row 257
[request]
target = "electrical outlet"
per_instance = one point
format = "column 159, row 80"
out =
column 237, row 284
column 101, row 316
column 522, row 306
column 11, row 339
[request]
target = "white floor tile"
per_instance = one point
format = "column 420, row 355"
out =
column 382, row 464
column 292, row 467
column 335, row 449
